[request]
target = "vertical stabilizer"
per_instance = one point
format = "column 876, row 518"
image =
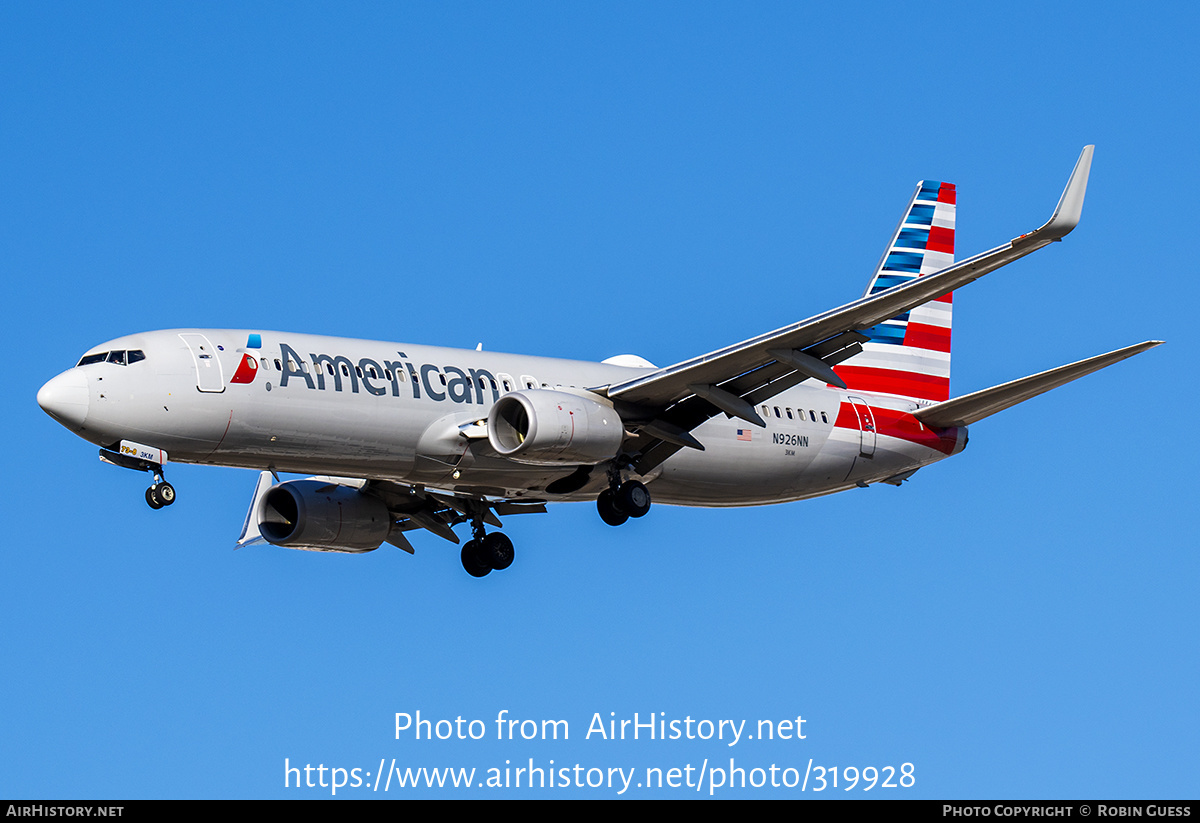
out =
column 909, row 355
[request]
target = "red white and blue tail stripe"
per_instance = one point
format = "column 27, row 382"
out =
column 909, row 355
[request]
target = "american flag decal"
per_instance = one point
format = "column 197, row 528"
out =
column 743, row 434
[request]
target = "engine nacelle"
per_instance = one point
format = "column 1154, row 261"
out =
column 315, row 514
column 542, row 427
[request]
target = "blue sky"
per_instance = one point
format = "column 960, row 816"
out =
column 582, row 181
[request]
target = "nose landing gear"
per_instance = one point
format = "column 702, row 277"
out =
column 160, row 494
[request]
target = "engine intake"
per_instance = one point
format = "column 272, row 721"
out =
column 313, row 514
column 542, row 427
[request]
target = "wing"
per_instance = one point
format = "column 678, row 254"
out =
column 416, row 507
column 664, row 405
column 410, row 506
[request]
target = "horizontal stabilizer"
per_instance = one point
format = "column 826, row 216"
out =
column 970, row 408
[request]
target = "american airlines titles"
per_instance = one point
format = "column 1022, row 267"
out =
column 439, row 383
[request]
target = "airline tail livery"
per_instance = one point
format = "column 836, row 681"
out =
column 398, row 437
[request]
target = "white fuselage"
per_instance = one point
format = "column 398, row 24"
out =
column 364, row 409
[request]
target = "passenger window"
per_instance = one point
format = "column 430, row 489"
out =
column 812, row 415
column 345, row 370
column 777, row 414
column 789, row 413
column 278, row 365
column 266, row 365
column 824, row 419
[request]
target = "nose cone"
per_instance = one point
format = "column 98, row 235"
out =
column 65, row 398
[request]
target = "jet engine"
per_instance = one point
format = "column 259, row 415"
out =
column 542, row 427
column 315, row 514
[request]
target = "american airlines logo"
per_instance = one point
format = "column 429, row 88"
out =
column 439, row 383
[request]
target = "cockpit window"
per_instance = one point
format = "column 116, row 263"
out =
column 121, row 358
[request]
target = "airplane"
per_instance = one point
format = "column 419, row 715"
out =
column 399, row 437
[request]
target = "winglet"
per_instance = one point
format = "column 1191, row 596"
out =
column 1070, row 205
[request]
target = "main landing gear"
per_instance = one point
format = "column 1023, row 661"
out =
column 485, row 552
column 623, row 501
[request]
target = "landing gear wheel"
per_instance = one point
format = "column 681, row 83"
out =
column 166, row 493
column 473, row 559
column 497, row 551
column 633, row 498
column 152, row 498
column 606, row 504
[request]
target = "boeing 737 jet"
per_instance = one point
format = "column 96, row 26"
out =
column 401, row 437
